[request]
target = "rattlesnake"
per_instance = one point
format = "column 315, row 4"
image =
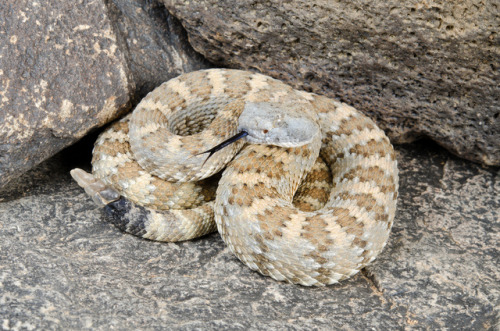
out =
column 328, row 234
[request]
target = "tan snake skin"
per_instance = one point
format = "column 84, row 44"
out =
column 335, row 224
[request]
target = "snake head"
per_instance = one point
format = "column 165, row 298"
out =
column 270, row 124
column 265, row 123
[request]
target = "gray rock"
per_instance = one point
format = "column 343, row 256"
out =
column 68, row 68
column 154, row 42
column 61, row 74
column 63, row 267
column 446, row 245
column 419, row 68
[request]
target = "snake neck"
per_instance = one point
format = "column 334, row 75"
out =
column 259, row 170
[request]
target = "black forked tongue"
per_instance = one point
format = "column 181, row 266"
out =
column 223, row 144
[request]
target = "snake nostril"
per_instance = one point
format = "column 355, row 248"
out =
column 265, row 131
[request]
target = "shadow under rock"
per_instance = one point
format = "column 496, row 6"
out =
column 53, row 172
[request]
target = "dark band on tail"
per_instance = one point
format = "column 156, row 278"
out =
column 127, row 216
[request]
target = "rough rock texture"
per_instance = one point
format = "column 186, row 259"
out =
column 63, row 267
column 421, row 68
column 61, row 74
column 66, row 68
column 154, row 43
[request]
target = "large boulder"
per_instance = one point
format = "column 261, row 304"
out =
column 67, row 68
column 419, row 68
column 61, row 74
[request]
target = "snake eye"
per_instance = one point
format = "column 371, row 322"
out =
column 265, row 131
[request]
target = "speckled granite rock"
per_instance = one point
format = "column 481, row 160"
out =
column 67, row 68
column 63, row 267
column 61, row 74
column 420, row 68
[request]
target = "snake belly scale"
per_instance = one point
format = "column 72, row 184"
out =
column 308, row 196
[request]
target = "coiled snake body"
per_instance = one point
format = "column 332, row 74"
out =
column 150, row 172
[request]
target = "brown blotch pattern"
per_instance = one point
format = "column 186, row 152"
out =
column 374, row 174
column 344, row 218
column 370, row 148
column 348, row 125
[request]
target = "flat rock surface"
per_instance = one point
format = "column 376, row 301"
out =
column 63, row 267
column 420, row 68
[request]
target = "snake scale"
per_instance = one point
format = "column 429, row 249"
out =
column 307, row 195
